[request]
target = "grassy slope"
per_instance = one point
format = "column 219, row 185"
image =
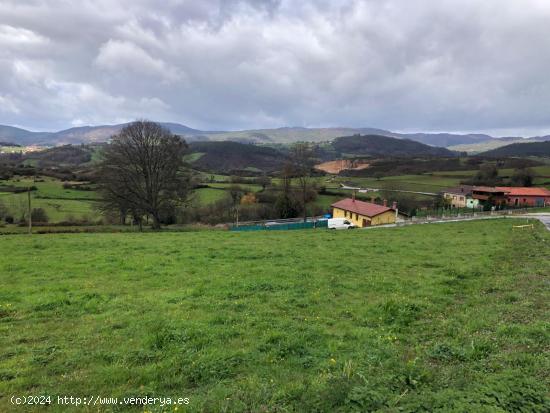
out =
column 445, row 316
column 205, row 196
column 59, row 203
column 482, row 146
column 11, row 149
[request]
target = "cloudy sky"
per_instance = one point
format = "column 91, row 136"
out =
column 408, row 65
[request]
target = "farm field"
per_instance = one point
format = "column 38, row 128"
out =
column 11, row 149
column 63, row 204
column 60, row 204
column 441, row 317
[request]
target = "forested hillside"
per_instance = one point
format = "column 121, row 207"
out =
column 521, row 149
column 376, row 145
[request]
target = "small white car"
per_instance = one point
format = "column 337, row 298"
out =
column 340, row 223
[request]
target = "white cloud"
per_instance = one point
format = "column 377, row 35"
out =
column 18, row 36
column 415, row 65
column 124, row 56
column 8, row 106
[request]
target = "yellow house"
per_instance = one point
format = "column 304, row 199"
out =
column 364, row 214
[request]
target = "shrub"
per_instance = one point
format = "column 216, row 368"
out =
column 39, row 215
column 3, row 211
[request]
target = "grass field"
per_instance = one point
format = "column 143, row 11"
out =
column 11, row 149
column 60, row 204
column 442, row 317
column 69, row 204
column 205, row 196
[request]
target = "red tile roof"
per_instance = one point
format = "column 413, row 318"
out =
column 360, row 207
column 524, row 191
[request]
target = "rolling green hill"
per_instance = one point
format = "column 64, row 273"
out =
column 61, row 155
column 227, row 157
column 521, row 149
column 376, row 145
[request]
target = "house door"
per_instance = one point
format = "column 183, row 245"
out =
column 366, row 223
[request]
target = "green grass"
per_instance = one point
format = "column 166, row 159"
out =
column 11, row 149
column 63, row 204
column 442, row 317
column 205, row 196
column 60, row 204
column 245, row 187
column 51, row 188
column 192, row 157
column 58, row 210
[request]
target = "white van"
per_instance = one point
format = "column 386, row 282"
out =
column 340, row 223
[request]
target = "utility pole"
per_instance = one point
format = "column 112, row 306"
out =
column 30, row 210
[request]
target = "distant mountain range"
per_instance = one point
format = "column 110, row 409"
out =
column 473, row 143
column 230, row 157
column 235, row 157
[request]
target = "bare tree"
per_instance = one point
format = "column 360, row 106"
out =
column 142, row 172
column 302, row 160
column 236, row 192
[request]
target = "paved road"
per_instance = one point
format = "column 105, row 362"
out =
column 544, row 218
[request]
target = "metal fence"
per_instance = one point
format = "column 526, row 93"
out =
column 281, row 224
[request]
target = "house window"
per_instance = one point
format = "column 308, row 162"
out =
column 346, row 214
column 356, row 216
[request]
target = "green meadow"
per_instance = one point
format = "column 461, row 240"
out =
column 427, row 318
column 61, row 204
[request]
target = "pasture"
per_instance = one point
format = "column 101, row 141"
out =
column 441, row 317
column 73, row 205
column 60, row 203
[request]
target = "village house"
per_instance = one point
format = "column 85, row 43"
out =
column 489, row 195
column 522, row 196
column 460, row 197
column 512, row 196
column 365, row 214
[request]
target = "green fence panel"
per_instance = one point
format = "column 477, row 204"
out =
column 282, row 227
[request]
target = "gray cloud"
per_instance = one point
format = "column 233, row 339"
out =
column 453, row 65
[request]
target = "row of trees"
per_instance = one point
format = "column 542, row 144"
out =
column 488, row 174
column 143, row 175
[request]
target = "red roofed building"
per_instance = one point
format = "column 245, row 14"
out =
column 523, row 196
column 364, row 214
column 512, row 195
column 489, row 195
